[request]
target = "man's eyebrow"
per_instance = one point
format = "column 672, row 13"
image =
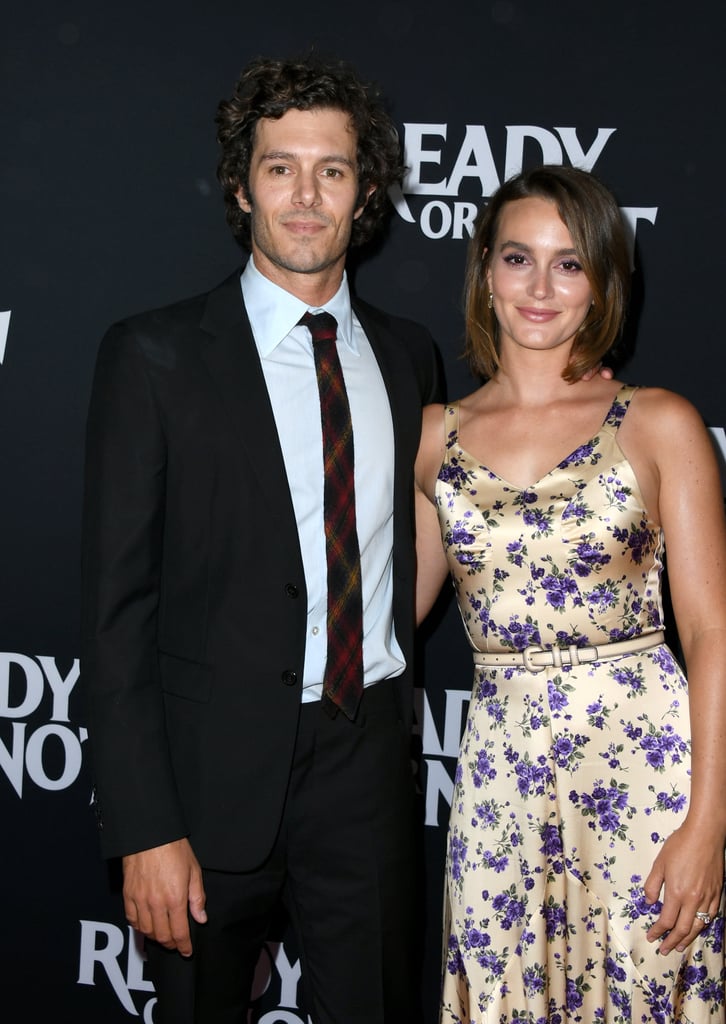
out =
column 331, row 158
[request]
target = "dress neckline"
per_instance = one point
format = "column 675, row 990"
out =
column 614, row 417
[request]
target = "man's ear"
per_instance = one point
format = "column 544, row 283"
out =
column 243, row 201
column 369, row 193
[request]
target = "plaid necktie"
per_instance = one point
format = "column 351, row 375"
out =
column 343, row 682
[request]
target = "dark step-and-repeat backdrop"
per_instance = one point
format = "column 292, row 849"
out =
column 109, row 205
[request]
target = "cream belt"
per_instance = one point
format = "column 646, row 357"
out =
column 536, row 659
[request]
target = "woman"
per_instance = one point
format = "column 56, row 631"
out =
column 585, row 856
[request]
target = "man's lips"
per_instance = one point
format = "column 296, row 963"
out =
column 304, row 226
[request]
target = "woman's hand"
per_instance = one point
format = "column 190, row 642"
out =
column 689, row 870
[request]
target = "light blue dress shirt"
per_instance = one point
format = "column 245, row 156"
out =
column 286, row 355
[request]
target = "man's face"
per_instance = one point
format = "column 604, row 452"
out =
column 303, row 197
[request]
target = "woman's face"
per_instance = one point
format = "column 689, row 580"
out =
column 540, row 291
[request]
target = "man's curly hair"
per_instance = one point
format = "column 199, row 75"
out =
column 268, row 88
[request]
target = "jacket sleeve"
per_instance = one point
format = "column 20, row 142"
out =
column 123, row 520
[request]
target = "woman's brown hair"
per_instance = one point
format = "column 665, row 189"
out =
column 592, row 216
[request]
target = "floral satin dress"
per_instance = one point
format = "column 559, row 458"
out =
column 569, row 779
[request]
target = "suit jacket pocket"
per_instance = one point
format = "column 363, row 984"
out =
column 183, row 678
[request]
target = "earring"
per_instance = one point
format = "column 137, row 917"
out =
column 490, row 301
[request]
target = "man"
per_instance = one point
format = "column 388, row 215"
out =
column 232, row 770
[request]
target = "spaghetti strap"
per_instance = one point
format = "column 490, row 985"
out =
column 618, row 409
column 451, row 425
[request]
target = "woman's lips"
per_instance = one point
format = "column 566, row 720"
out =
column 537, row 316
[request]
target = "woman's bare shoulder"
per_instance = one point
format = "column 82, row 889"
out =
column 658, row 409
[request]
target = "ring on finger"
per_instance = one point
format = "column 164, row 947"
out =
column 703, row 917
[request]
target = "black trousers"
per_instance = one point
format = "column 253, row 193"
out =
column 343, row 865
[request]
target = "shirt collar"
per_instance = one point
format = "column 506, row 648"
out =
column 274, row 312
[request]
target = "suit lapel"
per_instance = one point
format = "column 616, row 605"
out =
column 230, row 355
column 397, row 374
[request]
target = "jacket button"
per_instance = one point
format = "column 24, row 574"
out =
column 291, row 590
column 289, row 677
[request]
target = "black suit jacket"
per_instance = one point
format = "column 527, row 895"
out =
column 194, row 594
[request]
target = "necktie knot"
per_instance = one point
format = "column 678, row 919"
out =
column 322, row 326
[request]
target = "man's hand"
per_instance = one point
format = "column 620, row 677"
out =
column 605, row 372
column 159, row 885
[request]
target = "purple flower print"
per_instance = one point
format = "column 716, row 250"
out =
column 482, row 768
column 510, row 909
column 633, row 732
column 631, row 679
column 640, row 541
column 614, row 970
column 674, row 801
column 574, row 997
column 603, row 596
column 457, row 856
column 519, row 635
column 605, row 803
column 566, row 749
column 468, row 558
column 498, row 862
column 577, row 510
column 531, row 778
column 597, row 713
column 558, row 589
column 454, row 959
column 589, row 558
column 496, row 712
column 616, row 413
column 660, row 744
column 515, row 552
column 485, row 688
column 481, row 612
column 581, row 455
column 621, row 1000
column 492, row 963
column 551, row 840
column 555, row 919
column 711, row 992
column 636, row 905
column 511, row 755
column 538, row 519
column 562, row 749
column 691, row 976
column 533, row 980
column 664, row 660
column 460, row 535
column 659, row 1002
column 556, row 696
column 454, row 474
column 487, row 814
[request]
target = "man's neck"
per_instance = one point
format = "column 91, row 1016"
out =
column 314, row 289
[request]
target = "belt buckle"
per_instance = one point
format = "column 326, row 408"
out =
column 527, row 658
